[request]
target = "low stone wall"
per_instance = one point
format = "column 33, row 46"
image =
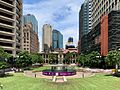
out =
column 39, row 75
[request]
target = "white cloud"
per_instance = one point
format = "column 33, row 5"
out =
column 61, row 14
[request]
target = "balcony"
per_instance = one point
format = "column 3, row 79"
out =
column 18, row 43
column 6, row 26
column 7, row 33
column 6, row 18
column 6, row 4
column 6, row 40
column 7, row 48
column 19, row 13
column 19, row 1
column 18, row 37
column 18, row 31
column 6, row 11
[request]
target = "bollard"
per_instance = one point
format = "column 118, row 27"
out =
column 35, row 75
column 83, row 75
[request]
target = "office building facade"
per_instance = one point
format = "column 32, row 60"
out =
column 57, row 40
column 110, row 32
column 31, row 19
column 30, row 39
column 84, row 24
column 47, row 38
column 105, row 36
column 102, row 7
column 11, row 26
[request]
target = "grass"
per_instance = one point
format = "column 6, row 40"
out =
column 98, row 82
column 39, row 69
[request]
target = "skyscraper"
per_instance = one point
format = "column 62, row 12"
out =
column 31, row 19
column 84, row 24
column 102, row 28
column 11, row 26
column 102, row 7
column 57, row 40
column 47, row 38
column 105, row 27
column 30, row 33
column 30, row 39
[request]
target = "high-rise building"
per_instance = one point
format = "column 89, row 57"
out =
column 85, row 17
column 30, row 34
column 31, row 19
column 105, row 27
column 57, row 40
column 47, row 38
column 30, row 39
column 11, row 26
column 84, row 23
column 110, row 32
column 101, row 25
column 102, row 7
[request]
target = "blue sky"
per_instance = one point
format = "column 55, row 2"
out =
column 63, row 15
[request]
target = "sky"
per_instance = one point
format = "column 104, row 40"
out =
column 62, row 15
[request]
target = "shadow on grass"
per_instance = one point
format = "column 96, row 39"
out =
column 6, row 75
column 51, row 83
column 109, row 75
column 114, row 75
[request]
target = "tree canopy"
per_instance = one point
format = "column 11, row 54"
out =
column 23, row 60
column 113, row 58
column 36, row 58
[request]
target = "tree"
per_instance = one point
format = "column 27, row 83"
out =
column 1, row 52
column 93, row 59
column 52, row 58
column 81, row 59
column 3, row 66
column 68, row 58
column 4, row 54
column 90, row 60
column 113, row 58
column 3, row 57
column 11, row 61
column 23, row 60
column 36, row 58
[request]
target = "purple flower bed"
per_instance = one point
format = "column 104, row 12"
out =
column 59, row 73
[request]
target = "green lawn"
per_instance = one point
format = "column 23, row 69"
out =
column 98, row 82
column 39, row 69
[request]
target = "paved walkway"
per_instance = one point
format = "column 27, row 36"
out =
column 86, row 72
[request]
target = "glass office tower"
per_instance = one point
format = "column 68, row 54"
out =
column 31, row 19
column 57, row 40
